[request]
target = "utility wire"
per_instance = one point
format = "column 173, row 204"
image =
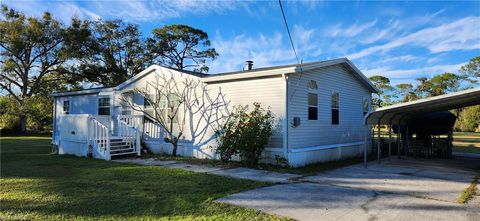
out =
column 293, row 45
column 288, row 31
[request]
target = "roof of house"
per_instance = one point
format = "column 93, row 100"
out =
column 239, row 75
column 84, row 91
column 271, row 68
column 292, row 68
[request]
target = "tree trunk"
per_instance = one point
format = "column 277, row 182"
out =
column 173, row 140
column 22, row 124
column 174, row 151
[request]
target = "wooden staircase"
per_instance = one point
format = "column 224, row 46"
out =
column 122, row 146
column 105, row 145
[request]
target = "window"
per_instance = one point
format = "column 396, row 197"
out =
column 147, row 106
column 66, row 107
column 312, row 106
column 171, row 105
column 366, row 105
column 312, row 85
column 126, row 102
column 104, row 106
column 165, row 105
column 335, row 108
column 312, row 100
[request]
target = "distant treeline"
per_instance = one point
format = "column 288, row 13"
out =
column 39, row 56
column 468, row 76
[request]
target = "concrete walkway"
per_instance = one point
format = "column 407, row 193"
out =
column 401, row 189
column 469, row 155
column 398, row 190
column 238, row 173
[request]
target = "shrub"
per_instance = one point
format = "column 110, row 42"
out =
column 281, row 161
column 246, row 134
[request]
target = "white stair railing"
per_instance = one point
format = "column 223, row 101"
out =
column 152, row 130
column 100, row 138
column 132, row 120
column 129, row 131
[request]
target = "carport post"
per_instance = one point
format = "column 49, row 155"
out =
column 406, row 142
column 365, row 148
column 390, row 141
column 378, row 141
column 400, row 136
column 398, row 141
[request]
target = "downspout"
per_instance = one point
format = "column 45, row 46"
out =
column 54, row 119
column 285, row 119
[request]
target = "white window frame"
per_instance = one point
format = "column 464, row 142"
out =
column 147, row 106
column 169, row 110
column 125, row 106
column 165, row 109
column 63, row 107
column 312, row 89
column 104, row 106
column 335, row 106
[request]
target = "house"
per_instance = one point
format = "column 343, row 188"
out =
column 319, row 110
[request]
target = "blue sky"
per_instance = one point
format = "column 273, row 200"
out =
column 400, row 40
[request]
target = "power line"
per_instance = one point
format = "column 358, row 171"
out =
column 288, row 31
column 293, row 47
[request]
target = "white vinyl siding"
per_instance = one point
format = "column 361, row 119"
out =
column 322, row 132
column 269, row 92
column 78, row 104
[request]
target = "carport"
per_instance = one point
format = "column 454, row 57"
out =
column 399, row 115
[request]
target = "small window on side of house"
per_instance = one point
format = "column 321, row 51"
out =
column 104, row 106
column 312, row 106
column 66, row 107
column 312, row 100
column 335, row 108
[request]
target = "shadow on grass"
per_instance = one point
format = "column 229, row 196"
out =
column 38, row 185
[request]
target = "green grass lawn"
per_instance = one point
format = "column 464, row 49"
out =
column 466, row 142
column 36, row 185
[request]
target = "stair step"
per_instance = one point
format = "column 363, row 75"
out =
column 117, row 150
column 116, row 141
column 122, row 147
column 124, row 153
column 120, row 144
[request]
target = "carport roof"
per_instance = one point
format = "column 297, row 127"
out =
column 401, row 113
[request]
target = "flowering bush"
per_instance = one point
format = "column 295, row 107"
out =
column 245, row 133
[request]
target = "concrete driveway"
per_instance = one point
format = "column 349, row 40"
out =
column 397, row 190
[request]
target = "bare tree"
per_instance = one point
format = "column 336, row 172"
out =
column 181, row 102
